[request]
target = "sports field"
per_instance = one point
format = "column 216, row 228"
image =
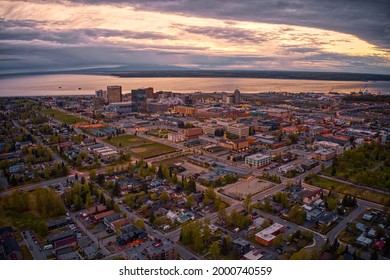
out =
column 63, row 117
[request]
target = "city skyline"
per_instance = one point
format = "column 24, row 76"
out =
column 294, row 35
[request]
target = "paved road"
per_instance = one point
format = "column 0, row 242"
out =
column 89, row 234
column 363, row 205
column 332, row 234
column 42, row 184
column 33, row 247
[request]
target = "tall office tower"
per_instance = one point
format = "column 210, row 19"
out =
column 138, row 97
column 150, row 94
column 114, row 94
column 237, row 96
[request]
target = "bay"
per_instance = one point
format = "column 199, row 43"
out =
column 71, row 84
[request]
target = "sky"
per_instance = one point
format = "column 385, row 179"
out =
column 296, row 35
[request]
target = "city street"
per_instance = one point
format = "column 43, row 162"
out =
column 34, row 248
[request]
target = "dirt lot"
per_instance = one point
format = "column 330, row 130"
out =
column 244, row 187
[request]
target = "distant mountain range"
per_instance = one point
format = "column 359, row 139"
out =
column 163, row 71
column 332, row 76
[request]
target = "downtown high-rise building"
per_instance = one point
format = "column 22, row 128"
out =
column 237, row 96
column 138, row 97
column 114, row 94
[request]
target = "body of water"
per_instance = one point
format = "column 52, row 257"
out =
column 39, row 85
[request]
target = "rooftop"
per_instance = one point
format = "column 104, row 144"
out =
column 269, row 232
column 258, row 156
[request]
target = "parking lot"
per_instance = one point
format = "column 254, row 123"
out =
column 246, row 186
column 192, row 169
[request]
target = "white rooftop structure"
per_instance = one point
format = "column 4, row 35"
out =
column 268, row 233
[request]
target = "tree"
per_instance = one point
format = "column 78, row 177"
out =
column 130, row 200
column 191, row 185
column 116, row 190
column 92, row 175
column 190, row 201
column 198, row 243
column 164, row 197
column 165, row 171
column 140, row 223
column 297, row 214
column 100, row 179
column 282, row 198
column 293, row 138
column 303, row 254
column 246, row 204
column 226, row 244
column 206, row 234
column 117, row 208
column 278, row 241
column 210, row 193
column 88, row 201
column 160, row 173
column 214, row 250
column 267, row 205
column 222, row 214
column 82, row 181
column 332, row 204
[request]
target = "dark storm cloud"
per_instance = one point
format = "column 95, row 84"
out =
column 32, row 57
column 81, row 48
column 58, row 58
column 20, row 30
column 369, row 20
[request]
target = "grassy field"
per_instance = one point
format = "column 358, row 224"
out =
column 127, row 140
column 368, row 165
column 63, row 117
column 369, row 195
column 26, row 253
column 151, row 150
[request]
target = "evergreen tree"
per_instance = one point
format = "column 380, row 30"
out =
column 160, row 172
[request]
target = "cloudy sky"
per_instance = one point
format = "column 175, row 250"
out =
column 313, row 35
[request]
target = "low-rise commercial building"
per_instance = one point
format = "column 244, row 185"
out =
column 239, row 129
column 185, row 110
column 257, row 160
column 120, row 107
column 324, row 154
column 267, row 236
column 191, row 133
column 234, row 144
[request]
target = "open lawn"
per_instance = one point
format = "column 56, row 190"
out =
column 339, row 187
column 127, row 140
column 151, row 150
column 63, row 117
column 368, row 165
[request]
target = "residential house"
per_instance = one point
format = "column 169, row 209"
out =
column 328, row 218
column 312, row 196
column 57, row 223
column 158, row 249
column 240, row 247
